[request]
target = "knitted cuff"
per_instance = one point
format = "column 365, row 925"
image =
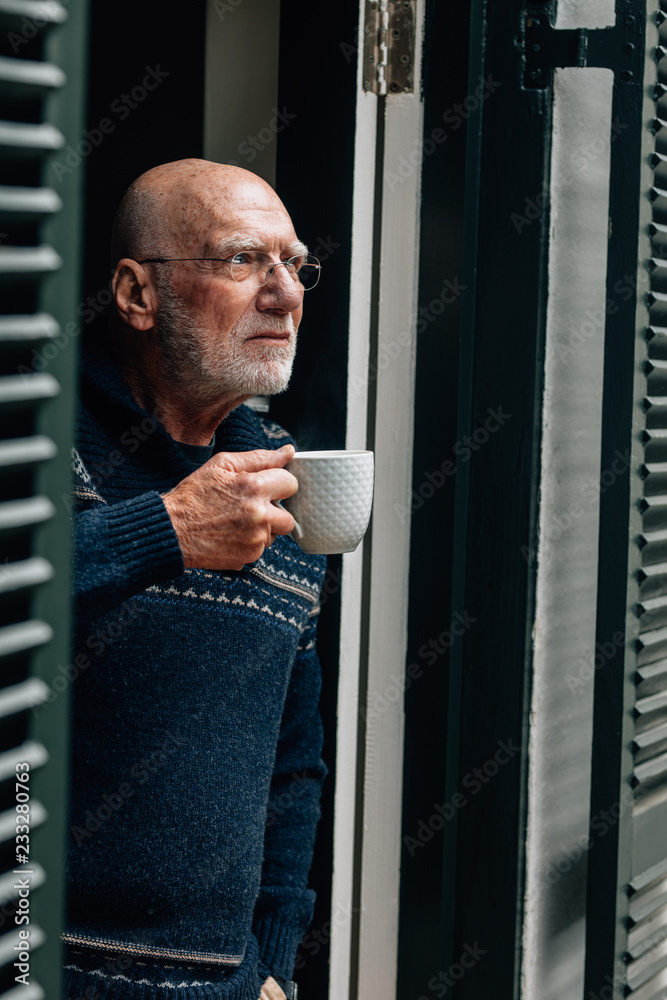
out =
column 142, row 537
column 278, row 943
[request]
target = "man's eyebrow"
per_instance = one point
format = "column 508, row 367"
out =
column 236, row 242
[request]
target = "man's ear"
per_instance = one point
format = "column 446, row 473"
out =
column 135, row 294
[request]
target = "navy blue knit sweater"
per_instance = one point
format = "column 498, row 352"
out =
column 196, row 740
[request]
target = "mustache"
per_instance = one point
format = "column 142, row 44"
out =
column 265, row 324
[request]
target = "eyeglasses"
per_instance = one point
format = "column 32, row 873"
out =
column 255, row 266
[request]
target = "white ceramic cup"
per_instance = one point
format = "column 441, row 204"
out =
column 333, row 504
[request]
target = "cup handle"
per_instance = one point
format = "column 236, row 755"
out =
column 297, row 531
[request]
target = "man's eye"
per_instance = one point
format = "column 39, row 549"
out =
column 242, row 258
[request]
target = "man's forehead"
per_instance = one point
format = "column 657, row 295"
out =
column 257, row 228
column 226, row 214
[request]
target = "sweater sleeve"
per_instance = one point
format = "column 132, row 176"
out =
column 284, row 906
column 122, row 548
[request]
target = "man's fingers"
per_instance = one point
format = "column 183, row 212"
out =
column 282, row 523
column 254, row 461
column 269, row 484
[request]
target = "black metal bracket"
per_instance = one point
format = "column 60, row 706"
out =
column 546, row 48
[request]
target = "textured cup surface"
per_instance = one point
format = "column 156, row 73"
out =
column 332, row 507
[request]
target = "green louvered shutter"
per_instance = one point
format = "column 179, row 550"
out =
column 40, row 113
column 639, row 687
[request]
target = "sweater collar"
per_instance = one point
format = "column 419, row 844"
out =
column 106, row 392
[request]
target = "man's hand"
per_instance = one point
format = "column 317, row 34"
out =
column 271, row 991
column 224, row 515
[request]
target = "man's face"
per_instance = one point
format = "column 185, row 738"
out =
column 223, row 338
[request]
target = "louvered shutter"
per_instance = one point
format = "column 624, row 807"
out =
column 643, row 843
column 40, row 113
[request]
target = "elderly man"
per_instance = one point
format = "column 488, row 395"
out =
column 196, row 740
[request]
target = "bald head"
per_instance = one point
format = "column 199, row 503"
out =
column 172, row 209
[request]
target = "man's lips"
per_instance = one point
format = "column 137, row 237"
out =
column 271, row 335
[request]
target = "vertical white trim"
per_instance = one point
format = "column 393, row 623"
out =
column 394, row 422
column 386, row 626
column 345, row 800
column 564, row 651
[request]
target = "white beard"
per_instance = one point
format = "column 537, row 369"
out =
column 195, row 366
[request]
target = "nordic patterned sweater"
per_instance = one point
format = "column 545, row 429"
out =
column 196, row 740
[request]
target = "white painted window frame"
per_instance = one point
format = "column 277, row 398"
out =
column 365, row 897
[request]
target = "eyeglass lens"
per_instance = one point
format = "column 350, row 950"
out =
column 257, row 265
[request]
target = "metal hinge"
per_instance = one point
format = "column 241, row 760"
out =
column 389, row 46
column 545, row 48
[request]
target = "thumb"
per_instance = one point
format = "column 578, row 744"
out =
column 256, row 461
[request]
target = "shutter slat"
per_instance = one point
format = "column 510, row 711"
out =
column 27, row 203
column 38, row 815
column 18, row 514
column 7, row 942
column 18, row 329
column 653, row 545
column 648, row 902
column 655, row 476
column 25, row 77
column 27, row 573
column 22, row 451
column 652, row 646
column 27, row 388
column 651, row 679
column 656, row 411
column 650, row 737
column 647, row 935
column 30, row 992
column 7, row 889
column 654, row 509
column 657, row 266
column 28, row 262
column 652, row 703
column 645, row 968
column 31, row 751
column 43, row 14
column 24, row 141
column 653, row 613
column 24, row 636
column 20, row 697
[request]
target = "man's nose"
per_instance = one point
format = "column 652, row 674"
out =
column 280, row 291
